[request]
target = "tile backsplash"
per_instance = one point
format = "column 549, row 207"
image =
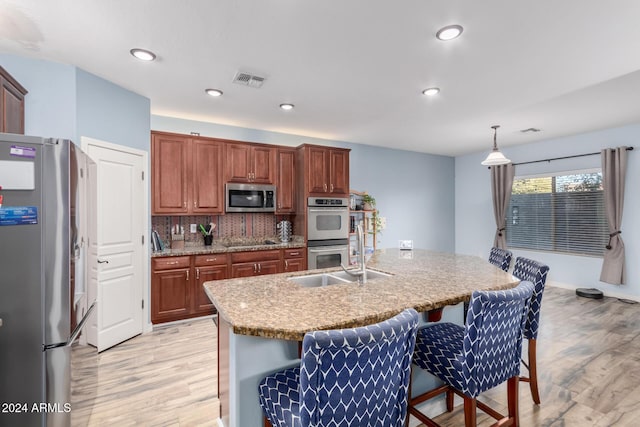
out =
column 231, row 225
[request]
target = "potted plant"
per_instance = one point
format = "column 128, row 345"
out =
column 369, row 202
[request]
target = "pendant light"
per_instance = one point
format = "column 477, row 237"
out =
column 495, row 157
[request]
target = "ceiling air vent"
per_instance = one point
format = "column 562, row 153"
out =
column 534, row 130
column 247, row 79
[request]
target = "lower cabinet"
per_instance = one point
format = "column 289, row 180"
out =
column 176, row 286
column 294, row 260
column 255, row 263
column 176, row 282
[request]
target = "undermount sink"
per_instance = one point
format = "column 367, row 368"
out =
column 327, row 279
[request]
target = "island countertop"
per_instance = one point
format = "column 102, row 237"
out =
column 274, row 307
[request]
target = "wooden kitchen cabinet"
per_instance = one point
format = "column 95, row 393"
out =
column 326, row 170
column 11, row 104
column 176, row 285
column 170, row 289
column 186, row 174
column 207, row 268
column 255, row 263
column 294, row 260
column 285, row 194
column 207, row 185
column 250, row 163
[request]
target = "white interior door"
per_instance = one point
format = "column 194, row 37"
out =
column 117, row 252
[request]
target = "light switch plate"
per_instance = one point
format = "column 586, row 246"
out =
column 193, row 228
column 405, row 244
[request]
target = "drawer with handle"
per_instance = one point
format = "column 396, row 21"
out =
column 168, row 263
column 210, row 259
column 294, row 253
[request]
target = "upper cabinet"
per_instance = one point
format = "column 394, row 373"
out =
column 186, row 174
column 250, row 163
column 11, row 104
column 286, row 171
column 327, row 170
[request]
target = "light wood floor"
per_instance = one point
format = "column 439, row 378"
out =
column 588, row 363
column 588, row 358
column 164, row 378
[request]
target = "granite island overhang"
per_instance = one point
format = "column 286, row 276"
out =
column 262, row 319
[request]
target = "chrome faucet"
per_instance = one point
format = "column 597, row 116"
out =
column 361, row 272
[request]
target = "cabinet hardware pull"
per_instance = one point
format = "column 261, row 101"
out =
column 294, row 253
column 286, row 264
column 332, row 188
column 184, row 205
column 195, row 204
column 211, row 259
column 255, row 268
column 197, row 273
column 187, row 275
column 259, row 268
column 325, row 187
column 172, row 262
column 102, row 262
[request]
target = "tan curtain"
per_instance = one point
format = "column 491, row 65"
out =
column 501, row 182
column 614, row 168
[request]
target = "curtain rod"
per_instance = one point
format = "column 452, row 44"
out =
column 565, row 157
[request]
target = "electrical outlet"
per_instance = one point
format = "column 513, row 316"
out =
column 193, row 228
column 405, row 244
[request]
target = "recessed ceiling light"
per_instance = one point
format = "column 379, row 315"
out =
column 143, row 55
column 214, row 92
column 431, row 91
column 449, row 32
column 287, row 107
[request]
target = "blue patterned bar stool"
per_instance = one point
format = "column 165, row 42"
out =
column 536, row 273
column 347, row 377
column 500, row 258
column 482, row 354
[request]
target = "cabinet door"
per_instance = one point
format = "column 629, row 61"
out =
column 11, row 104
column 170, row 295
column 207, row 177
column 238, row 162
column 169, row 154
column 268, row 267
column 248, row 269
column 318, row 168
column 201, row 302
column 339, row 172
column 286, row 179
column 263, row 165
column 294, row 264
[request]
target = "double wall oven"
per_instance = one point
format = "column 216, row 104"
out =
column 327, row 232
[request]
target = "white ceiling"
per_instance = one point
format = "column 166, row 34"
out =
column 355, row 69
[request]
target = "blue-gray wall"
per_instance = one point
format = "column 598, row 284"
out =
column 67, row 102
column 50, row 105
column 413, row 191
column 474, row 223
column 110, row 113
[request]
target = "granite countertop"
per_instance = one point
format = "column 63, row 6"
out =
column 274, row 307
column 218, row 248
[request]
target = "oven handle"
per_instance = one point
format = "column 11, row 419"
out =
column 329, row 249
column 323, row 210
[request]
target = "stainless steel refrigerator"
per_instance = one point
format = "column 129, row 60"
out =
column 42, row 276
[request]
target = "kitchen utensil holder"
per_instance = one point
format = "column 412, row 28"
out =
column 208, row 239
column 177, row 241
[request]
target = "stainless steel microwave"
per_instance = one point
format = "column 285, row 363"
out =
column 250, row 198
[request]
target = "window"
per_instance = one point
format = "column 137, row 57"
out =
column 559, row 213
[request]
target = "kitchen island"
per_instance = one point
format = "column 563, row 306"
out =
column 261, row 320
